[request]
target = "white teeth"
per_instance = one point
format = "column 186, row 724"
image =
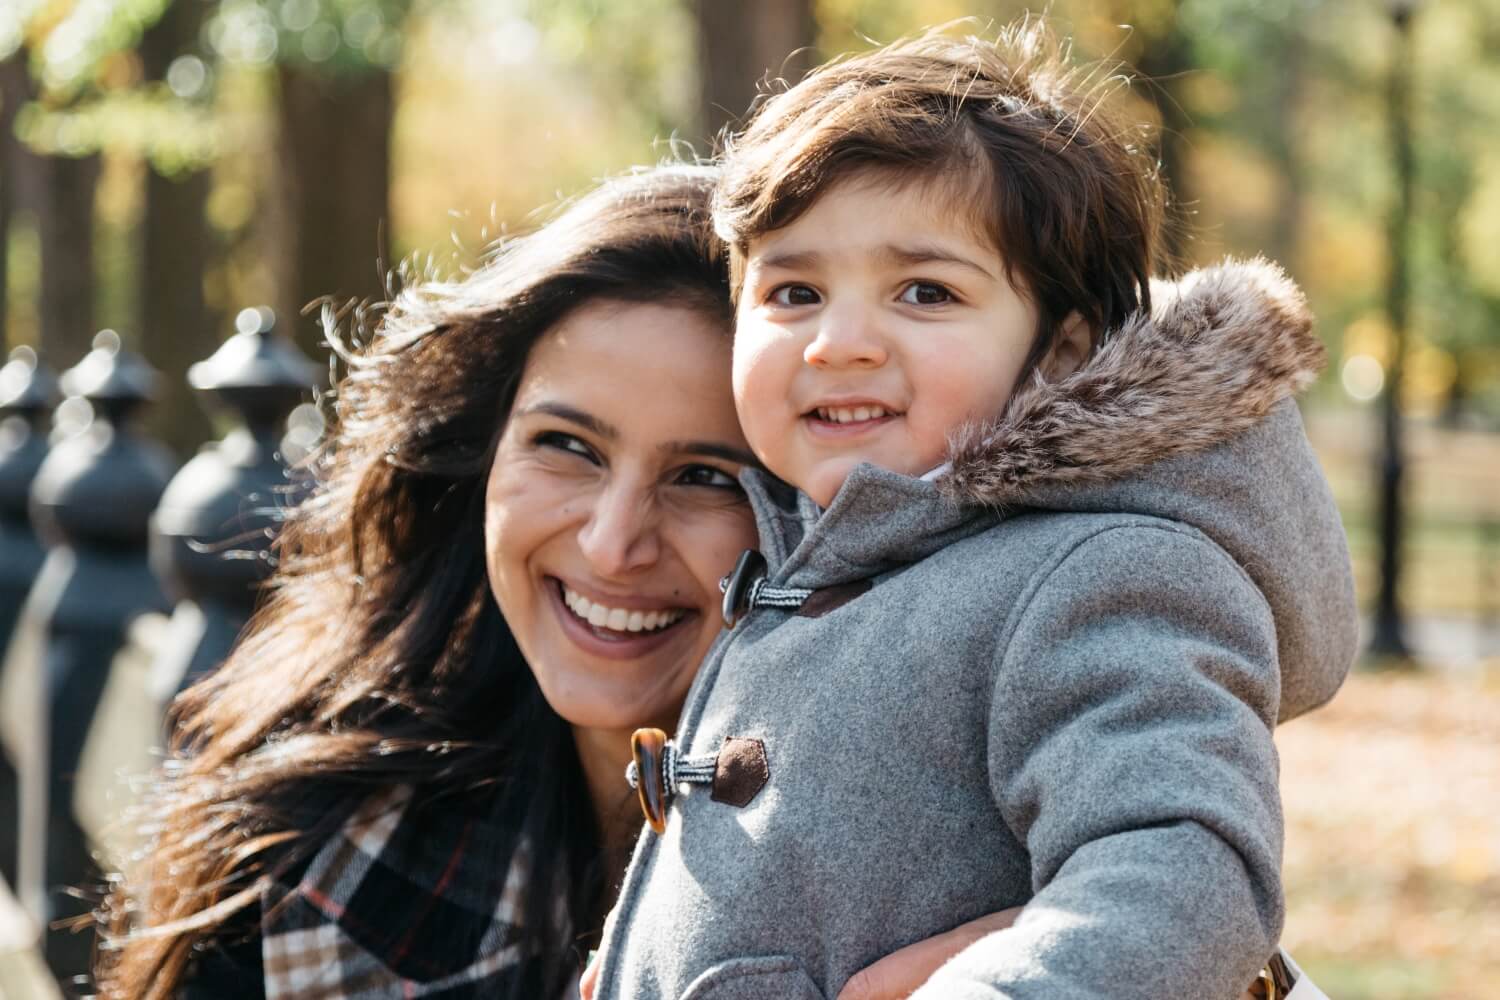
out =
column 851, row 414
column 619, row 619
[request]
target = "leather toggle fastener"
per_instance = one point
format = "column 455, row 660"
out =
column 656, row 769
column 736, row 773
column 746, row 589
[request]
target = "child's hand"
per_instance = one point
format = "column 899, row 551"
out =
column 900, row 973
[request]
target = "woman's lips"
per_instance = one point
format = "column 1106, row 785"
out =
column 606, row 642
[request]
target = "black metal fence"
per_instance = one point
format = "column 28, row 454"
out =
column 97, row 530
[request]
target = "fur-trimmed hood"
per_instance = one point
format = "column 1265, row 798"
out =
column 1222, row 346
column 1187, row 414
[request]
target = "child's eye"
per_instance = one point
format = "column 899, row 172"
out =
column 794, row 295
column 568, row 443
column 707, row 475
column 925, row 293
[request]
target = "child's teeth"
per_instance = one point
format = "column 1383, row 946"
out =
column 618, row 619
column 598, row 615
column 850, row 415
column 635, row 622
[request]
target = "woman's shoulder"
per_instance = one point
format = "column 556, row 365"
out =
column 413, row 889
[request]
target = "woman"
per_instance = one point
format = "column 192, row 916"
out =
column 376, row 796
column 378, row 726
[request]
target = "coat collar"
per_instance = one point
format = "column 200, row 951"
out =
column 879, row 520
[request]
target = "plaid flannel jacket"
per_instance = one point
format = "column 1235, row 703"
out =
column 403, row 902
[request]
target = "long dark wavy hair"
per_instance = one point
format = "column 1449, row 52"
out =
column 378, row 656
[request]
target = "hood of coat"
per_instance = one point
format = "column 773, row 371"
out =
column 1221, row 347
column 1185, row 413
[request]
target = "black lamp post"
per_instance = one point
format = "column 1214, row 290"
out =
column 1388, row 635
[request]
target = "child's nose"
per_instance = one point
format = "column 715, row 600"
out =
column 846, row 338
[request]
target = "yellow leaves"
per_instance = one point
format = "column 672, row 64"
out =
column 1480, row 222
column 145, row 121
column 1341, row 250
column 1430, row 370
column 1370, row 335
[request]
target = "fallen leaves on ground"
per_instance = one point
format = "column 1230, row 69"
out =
column 1392, row 797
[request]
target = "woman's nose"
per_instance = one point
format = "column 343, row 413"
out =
column 846, row 338
column 620, row 535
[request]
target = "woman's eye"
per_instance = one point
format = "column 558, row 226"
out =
column 925, row 293
column 566, row 442
column 795, row 295
column 707, row 475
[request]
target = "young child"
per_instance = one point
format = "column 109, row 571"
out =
column 1060, row 559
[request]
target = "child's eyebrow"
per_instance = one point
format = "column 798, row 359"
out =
column 790, row 260
column 929, row 254
column 920, row 253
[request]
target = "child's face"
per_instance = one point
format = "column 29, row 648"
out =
column 868, row 330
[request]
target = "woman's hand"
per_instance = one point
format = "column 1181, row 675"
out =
column 900, row 973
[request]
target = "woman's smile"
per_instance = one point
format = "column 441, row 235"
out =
column 620, row 629
column 617, row 619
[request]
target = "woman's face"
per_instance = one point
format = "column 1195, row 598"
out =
column 612, row 509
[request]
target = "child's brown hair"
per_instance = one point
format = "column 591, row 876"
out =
column 1066, row 189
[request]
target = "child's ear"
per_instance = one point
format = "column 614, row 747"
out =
column 1074, row 343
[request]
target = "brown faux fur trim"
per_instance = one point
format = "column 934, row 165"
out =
column 1222, row 346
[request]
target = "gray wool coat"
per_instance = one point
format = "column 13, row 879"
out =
column 1049, row 676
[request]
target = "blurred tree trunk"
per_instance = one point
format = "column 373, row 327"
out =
column 739, row 44
column 65, row 223
column 176, row 247
column 1287, row 79
column 1163, row 56
column 12, row 94
column 333, row 203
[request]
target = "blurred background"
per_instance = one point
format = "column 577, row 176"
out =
column 191, row 174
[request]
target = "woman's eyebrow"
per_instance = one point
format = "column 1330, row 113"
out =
column 712, row 449
column 565, row 412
